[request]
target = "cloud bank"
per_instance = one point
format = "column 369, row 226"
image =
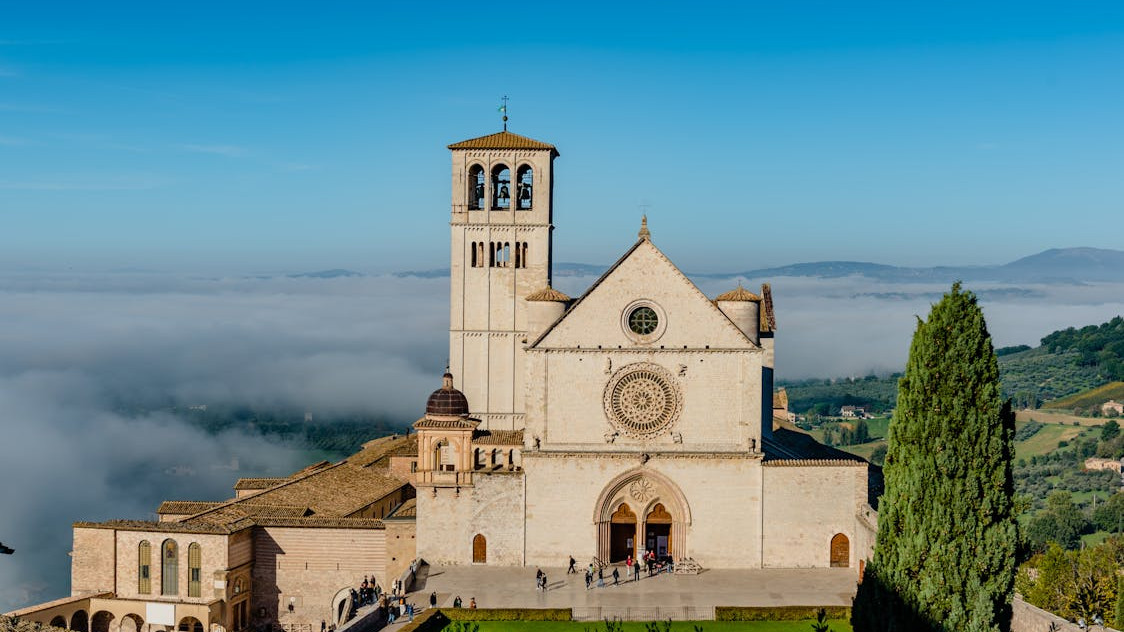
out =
column 81, row 354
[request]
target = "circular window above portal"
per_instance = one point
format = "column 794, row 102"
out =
column 642, row 400
column 643, row 321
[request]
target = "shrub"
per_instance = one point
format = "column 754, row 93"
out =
column 508, row 614
column 778, row 613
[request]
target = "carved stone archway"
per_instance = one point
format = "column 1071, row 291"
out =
column 647, row 493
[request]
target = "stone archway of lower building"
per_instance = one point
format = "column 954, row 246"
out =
column 639, row 511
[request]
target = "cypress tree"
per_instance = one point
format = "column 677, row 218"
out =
column 944, row 558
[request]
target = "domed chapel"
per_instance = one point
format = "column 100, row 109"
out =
column 639, row 417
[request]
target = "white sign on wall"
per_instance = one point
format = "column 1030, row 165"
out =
column 160, row 613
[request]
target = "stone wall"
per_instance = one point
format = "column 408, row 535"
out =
column 805, row 507
column 714, row 502
column 93, row 559
column 492, row 507
column 309, row 566
column 1028, row 618
column 213, row 557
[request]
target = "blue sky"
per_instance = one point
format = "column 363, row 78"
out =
column 270, row 136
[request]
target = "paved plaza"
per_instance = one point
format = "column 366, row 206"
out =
column 515, row 588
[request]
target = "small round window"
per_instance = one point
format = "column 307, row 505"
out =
column 643, row 320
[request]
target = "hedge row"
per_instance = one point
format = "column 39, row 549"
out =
column 778, row 613
column 508, row 614
column 431, row 620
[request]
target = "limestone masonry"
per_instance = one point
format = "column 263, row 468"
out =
column 640, row 417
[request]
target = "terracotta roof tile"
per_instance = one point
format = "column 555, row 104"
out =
column 185, row 507
column 258, row 483
column 502, row 140
column 498, row 437
column 408, row 509
column 547, row 294
column 738, row 294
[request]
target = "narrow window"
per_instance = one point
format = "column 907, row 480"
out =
column 194, row 561
column 475, row 188
column 491, row 254
column 523, row 254
column 518, row 258
column 525, row 182
column 506, row 254
column 474, row 254
column 501, row 188
column 169, row 568
column 144, row 568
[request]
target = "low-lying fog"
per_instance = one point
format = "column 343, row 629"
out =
column 79, row 353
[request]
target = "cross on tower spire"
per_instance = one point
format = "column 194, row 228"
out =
column 503, row 110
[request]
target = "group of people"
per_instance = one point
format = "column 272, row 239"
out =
column 457, row 603
column 632, row 567
column 540, row 579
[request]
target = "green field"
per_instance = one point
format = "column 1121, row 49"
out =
column 676, row 626
column 1090, row 398
column 1046, row 440
column 863, row 449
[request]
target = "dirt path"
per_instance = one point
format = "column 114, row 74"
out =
column 1044, row 417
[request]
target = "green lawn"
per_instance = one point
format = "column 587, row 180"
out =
column 676, row 626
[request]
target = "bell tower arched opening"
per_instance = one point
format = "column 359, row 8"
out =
column 525, row 182
column 501, row 188
column 475, row 188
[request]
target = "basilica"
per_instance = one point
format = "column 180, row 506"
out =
column 639, row 417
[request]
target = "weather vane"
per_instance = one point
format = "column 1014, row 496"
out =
column 503, row 110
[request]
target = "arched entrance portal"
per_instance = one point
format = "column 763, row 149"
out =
column 622, row 534
column 641, row 510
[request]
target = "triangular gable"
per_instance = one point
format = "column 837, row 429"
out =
column 644, row 273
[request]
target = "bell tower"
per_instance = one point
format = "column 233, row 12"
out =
column 503, row 197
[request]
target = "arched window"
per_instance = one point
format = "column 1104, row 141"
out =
column 446, row 457
column 501, row 188
column 144, row 567
column 521, row 254
column 475, row 188
column 506, row 256
column 169, row 568
column 525, row 183
column 80, row 621
column 479, row 549
column 58, row 621
column 474, row 254
column 491, row 254
column 194, row 562
column 190, row 624
column 480, row 254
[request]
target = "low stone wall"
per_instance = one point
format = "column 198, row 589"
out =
column 1028, row 618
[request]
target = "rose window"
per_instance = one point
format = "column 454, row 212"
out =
column 642, row 400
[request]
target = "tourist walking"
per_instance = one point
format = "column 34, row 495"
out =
column 457, row 601
column 573, row 566
column 433, row 599
column 588, row 579
column 472, row 603
column 601, row 577
column 616, row 576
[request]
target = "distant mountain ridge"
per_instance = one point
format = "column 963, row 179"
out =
column 1057, row 265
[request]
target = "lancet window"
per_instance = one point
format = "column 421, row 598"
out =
column 194, row 570
column 144, row 568
column 169, row 568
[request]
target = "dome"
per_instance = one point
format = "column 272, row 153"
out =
column 547, row 295
column 447, row 400
column 739, row 294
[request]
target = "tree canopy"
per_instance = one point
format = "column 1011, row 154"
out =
column 947, row 537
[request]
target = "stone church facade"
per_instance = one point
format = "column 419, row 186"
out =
column 638, row 417
column 640, row 412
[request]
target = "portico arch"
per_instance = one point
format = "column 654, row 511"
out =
column 649, row 495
